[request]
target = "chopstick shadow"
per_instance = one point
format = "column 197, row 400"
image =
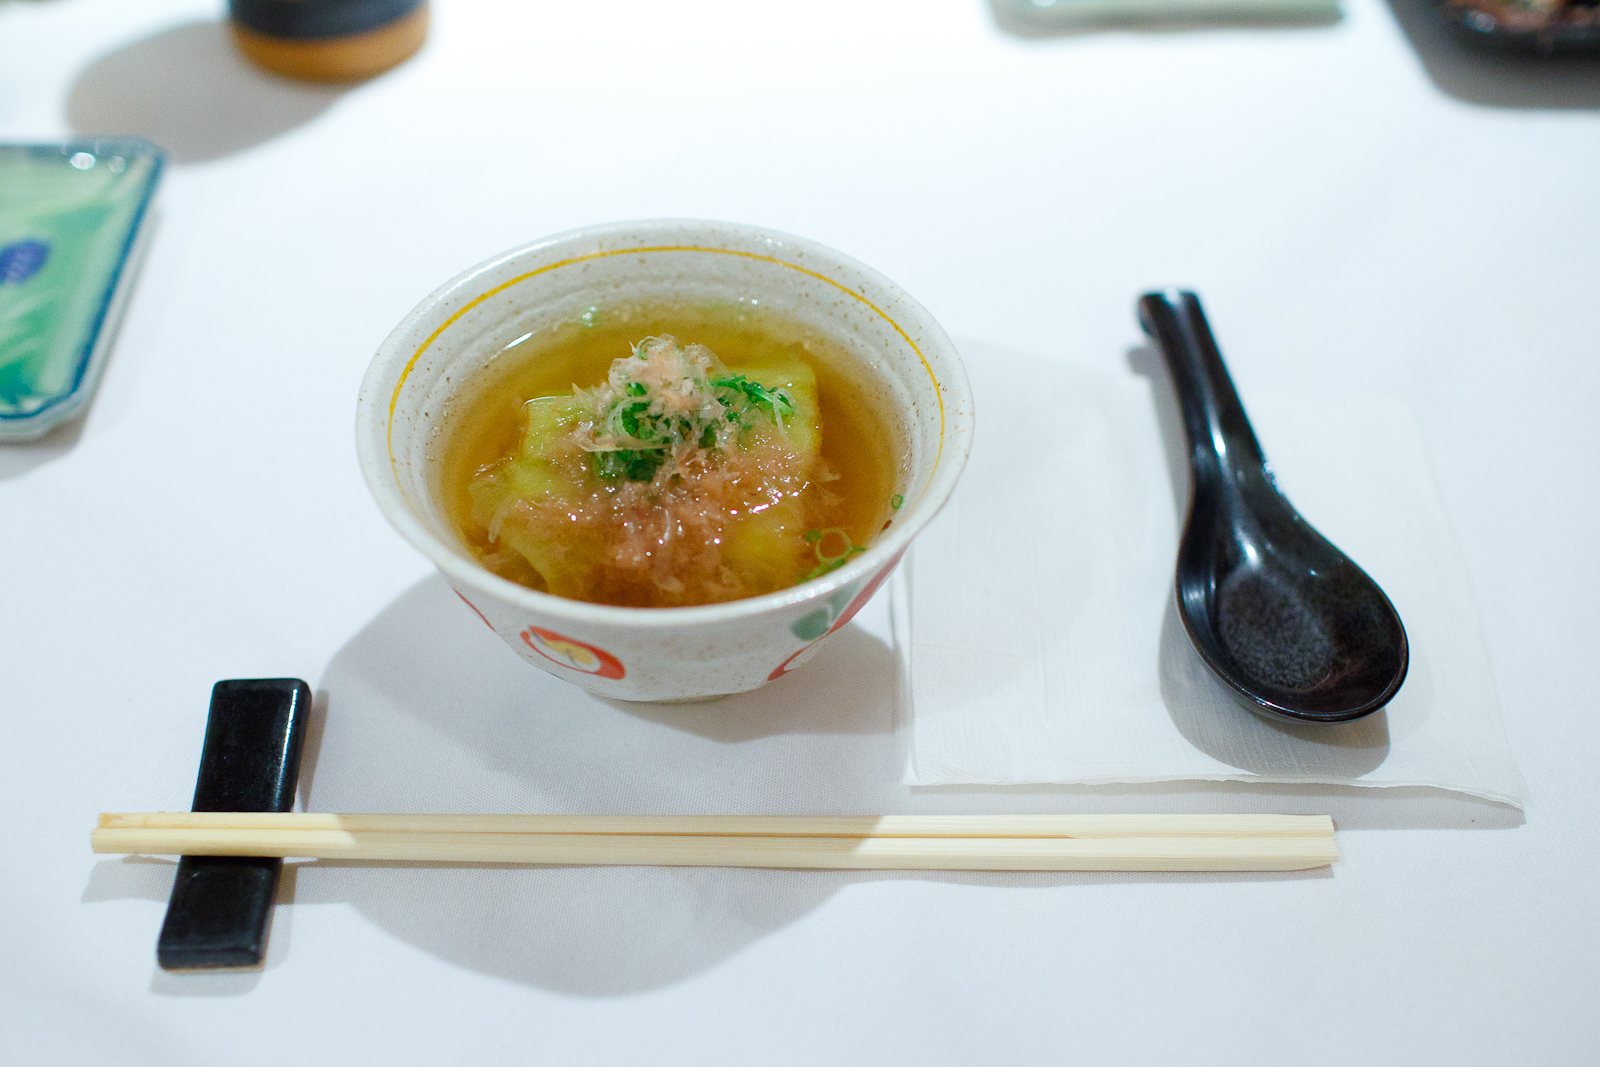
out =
column 588, row 931
column 1351, row 807
column 613, row 931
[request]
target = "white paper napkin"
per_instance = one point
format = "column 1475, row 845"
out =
column 1035, row 617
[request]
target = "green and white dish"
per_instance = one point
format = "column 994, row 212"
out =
column 71, row 220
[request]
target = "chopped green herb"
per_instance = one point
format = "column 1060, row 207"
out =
column 634, row 465
column 826, row 568
column 630, row 420
column 843, row 553
column 826, row 562
column 654, row 410
column 776, row 401
column 896, row 501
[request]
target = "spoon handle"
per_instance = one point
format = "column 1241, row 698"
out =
column 1222, row 446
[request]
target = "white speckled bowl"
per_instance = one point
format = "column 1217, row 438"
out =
column 659, row 653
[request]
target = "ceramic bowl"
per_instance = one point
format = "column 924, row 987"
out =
column 659, row 653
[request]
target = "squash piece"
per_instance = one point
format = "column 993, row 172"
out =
column 767, row 547
column 542, row 470
column 789, row 375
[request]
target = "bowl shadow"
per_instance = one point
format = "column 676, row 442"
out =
column 426, row 710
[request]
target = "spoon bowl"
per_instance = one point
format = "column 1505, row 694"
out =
column 1277, row 612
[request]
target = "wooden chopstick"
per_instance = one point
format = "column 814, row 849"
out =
column 747, row 825
column 902, row 842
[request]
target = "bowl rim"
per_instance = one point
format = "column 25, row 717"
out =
column 377, row 464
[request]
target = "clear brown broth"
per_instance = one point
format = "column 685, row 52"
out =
column 862, row 440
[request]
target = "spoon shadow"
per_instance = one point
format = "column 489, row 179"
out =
column 1191, row 693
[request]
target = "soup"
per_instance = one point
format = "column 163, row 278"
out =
column 653, row 457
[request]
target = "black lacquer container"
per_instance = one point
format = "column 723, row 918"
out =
column 1570, row 30
column 329, row 40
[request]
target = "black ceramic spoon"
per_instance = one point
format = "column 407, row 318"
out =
column 1275, row 610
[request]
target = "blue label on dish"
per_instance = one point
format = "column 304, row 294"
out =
column 21, row 261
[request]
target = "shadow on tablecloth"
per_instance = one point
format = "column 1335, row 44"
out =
column 20, row 457
column 189, row 90
column 428, row 711
column 425, row 710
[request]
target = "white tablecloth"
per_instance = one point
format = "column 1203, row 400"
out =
column 1363, row 208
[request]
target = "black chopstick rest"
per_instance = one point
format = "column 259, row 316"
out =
column 221, row 905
